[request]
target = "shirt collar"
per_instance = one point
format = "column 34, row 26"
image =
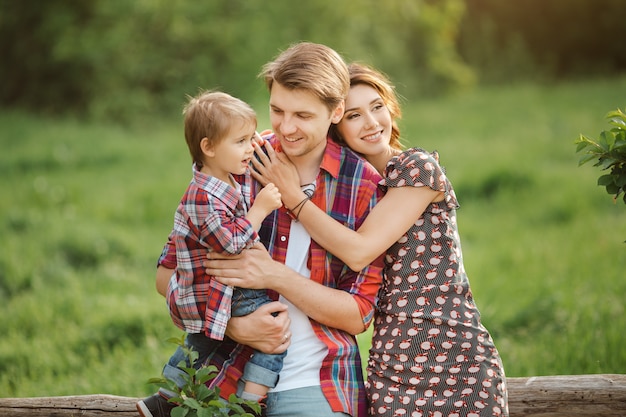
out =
column 331, row 160
column 216, row 186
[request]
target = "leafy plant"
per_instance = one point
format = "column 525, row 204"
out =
column 609, row 151
column 195, row 398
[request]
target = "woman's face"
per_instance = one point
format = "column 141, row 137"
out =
column 366, row 124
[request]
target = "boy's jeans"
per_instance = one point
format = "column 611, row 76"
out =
column 261, row 368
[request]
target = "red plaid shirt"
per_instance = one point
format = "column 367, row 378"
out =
column 210, row 217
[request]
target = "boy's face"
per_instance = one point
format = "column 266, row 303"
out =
column 232, row 154
column 300, row 121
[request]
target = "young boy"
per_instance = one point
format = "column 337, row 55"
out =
column 215, row 215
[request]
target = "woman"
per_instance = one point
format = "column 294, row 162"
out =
column 430, row 354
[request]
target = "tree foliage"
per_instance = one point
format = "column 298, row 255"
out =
column 543, row 39
column 117, row 59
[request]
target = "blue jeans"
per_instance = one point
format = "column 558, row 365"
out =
column 262, row 368
column 301, row 402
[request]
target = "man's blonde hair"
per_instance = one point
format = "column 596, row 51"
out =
column 312, row 67
column 211, row 115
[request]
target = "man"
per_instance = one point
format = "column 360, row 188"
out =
column 328, row 303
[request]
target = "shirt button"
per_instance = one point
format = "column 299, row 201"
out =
column 283, row 238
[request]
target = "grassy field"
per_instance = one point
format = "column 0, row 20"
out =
column 86, row 208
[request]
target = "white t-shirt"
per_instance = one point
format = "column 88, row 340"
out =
column 301, row 366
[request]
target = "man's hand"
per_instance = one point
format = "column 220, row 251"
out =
column 266, row 329
column 252, row 268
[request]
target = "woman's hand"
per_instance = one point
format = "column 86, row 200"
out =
column 274, row 167
column 266, row 329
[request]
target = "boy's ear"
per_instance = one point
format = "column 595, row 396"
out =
column 338, row 112
column 207, row 147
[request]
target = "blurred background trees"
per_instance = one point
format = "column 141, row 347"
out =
column 118, row 60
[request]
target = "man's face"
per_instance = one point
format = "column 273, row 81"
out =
column 300, row 121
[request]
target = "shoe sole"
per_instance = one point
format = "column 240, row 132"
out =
column 143, row 410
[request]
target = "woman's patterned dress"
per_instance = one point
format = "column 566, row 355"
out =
column 430, row 354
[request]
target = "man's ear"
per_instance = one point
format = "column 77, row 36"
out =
column 338, row 112
column 207, row 148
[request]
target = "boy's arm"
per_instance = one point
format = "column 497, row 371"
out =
column 266, row 201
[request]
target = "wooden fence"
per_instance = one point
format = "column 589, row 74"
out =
column 540, row 396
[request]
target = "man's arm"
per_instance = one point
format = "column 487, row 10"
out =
column 331, row 307
column 163, row 276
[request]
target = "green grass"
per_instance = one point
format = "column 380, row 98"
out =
column 86, row 208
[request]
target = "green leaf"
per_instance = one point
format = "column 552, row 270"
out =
column 205, row 412
column 179, row 412
column 203, row 393
column 605, row 180
column 175, row 340
column 612, row 189
column 606, row 162
column 585, row 159
column 192, row 403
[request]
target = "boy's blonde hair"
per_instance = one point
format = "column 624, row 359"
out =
column 211, row 115
column 312, row 67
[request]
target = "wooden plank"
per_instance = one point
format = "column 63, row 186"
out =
column 568, row 396
column 539, row 396
column 69, row 406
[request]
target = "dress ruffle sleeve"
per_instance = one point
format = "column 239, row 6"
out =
column 418, row 168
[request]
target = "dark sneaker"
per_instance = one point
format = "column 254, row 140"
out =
column 155, row 406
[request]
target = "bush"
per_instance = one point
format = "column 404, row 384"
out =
column 195, row 399
column 609, row 151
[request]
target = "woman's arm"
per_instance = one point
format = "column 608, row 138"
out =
column 385, row 224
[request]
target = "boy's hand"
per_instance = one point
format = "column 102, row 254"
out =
column 268, row 199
